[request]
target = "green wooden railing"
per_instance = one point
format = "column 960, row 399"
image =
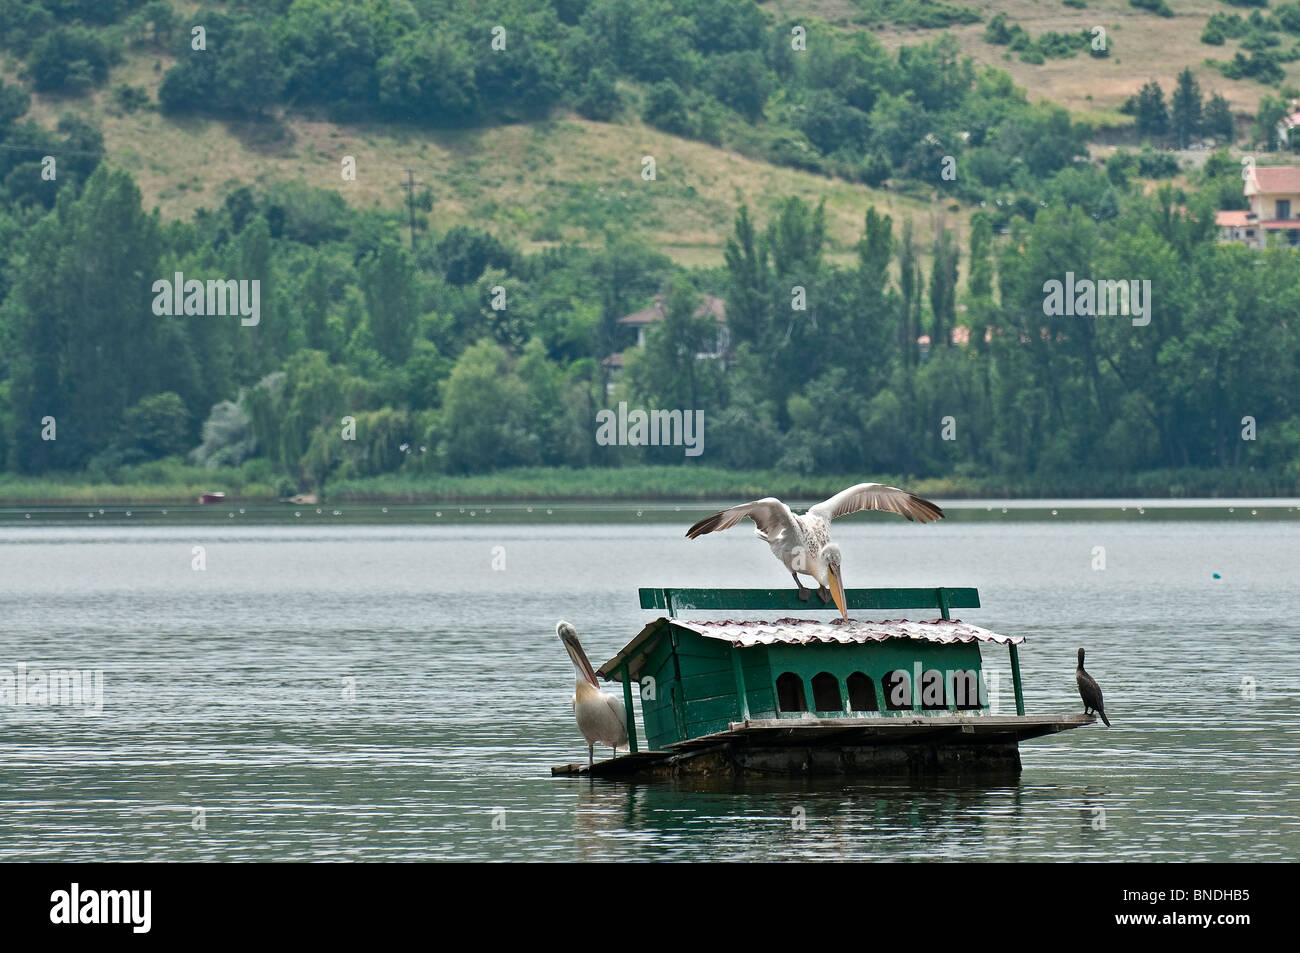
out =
column 673, row 601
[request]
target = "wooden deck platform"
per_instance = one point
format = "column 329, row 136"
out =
column 796, row 746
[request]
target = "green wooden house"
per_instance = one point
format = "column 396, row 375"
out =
column 797, row 695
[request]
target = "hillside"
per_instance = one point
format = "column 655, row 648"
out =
column 562, row 179
column 881, row 214
column 566, row 178
column 1145, row 47
column 539, row 183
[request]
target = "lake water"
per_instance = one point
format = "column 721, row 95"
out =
column 367, row 686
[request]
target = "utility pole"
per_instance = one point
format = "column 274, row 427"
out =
column 409, row 187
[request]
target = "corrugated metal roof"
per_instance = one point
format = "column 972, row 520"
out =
column 746, row 633
column 743, row 634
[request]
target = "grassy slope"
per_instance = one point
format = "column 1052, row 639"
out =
column 569, row 177
column 1144, row 47
column 521, row 182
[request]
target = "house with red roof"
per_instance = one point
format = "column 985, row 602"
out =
column 642, row 321
column 1274, row 194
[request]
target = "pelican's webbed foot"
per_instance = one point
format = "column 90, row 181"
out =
column 825, row 595
column 804, row 594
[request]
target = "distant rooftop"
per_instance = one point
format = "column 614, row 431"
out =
column 655, row 313
column 1232, row 218
column 1277, row 178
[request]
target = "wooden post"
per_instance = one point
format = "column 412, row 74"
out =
column 739, row 672
column 1015, row 678
column 943, row 601
column 627, row 704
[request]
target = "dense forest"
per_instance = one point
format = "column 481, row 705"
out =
column 451, row 351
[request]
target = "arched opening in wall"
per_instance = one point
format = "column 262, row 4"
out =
column 826, row 692
column 898, row 690
column 934, row 696
column 789, row 693
column 862, row 693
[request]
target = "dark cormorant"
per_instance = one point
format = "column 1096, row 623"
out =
column 1090, row 692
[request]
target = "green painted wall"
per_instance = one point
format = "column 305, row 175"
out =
column 695, row 683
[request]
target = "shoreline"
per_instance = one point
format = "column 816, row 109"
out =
column 644, row 484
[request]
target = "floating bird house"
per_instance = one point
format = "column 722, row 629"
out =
column 799, row 695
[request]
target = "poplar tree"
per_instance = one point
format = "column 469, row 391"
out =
column 1187, row 110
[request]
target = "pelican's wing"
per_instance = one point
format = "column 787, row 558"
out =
column 877, row 496
column 615, row 734
column 620, row 711
column 770, row 515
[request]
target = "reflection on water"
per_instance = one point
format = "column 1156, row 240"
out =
column 371, row 691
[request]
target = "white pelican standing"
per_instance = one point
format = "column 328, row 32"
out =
column 803, row 543
column 601, row 716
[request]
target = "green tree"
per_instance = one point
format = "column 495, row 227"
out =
column 483, row 421
column 1271, row 111
column 14, row 103
column 158, row 425
column 943, row 288
column 1186, row 108
column 665, row 108
column 1218, row 121
column 388, row 280
column 71, row 59
column 86, row 341
column 1151, row 113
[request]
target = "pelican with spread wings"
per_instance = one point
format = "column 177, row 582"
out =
column 803, row 543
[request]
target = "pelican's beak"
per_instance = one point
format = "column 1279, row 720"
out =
column 837, row 591
column 581, row 665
